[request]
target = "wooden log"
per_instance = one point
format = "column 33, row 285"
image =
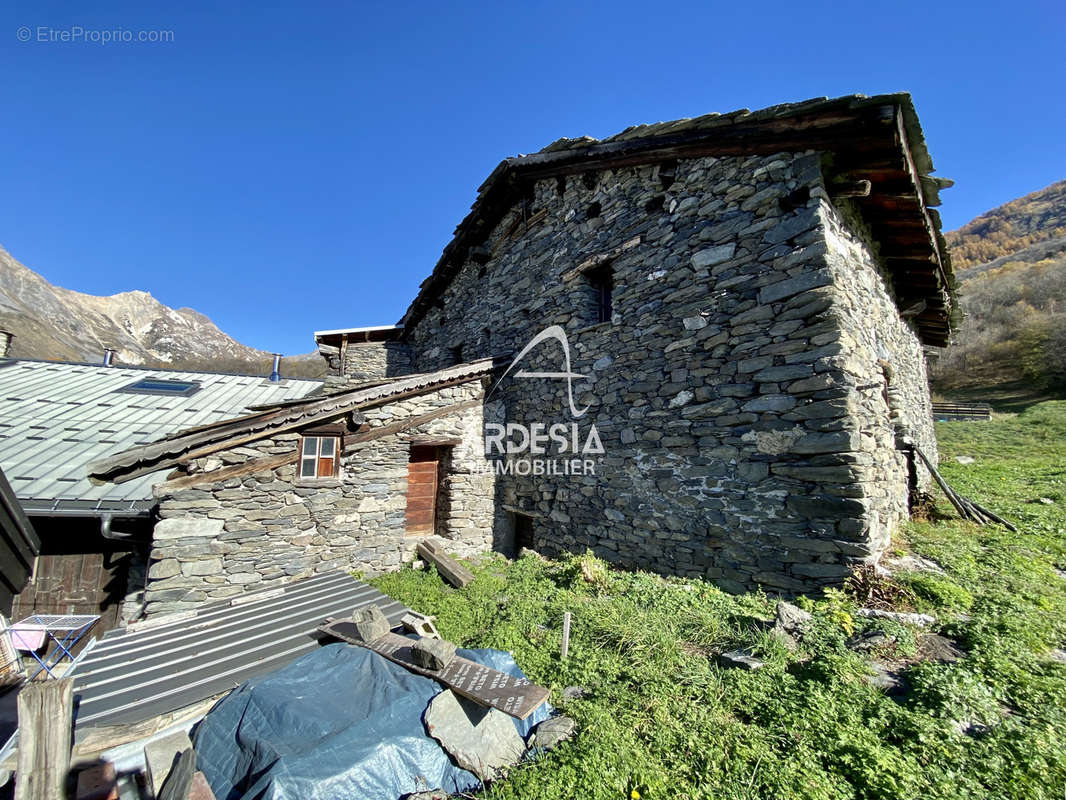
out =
column 996, row 518
column 968, row 509
column 859, row 188
column 450, row 569
column 236, row 471
column 45, row 719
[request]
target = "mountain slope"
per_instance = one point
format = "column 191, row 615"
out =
column 1012, row 288
column 1015, row 225
column 55, row 323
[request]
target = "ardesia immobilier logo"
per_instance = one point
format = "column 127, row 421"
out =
column 548, row 447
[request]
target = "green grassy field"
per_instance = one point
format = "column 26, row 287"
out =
column 664, row 721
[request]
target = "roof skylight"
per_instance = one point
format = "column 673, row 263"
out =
column 164, row 387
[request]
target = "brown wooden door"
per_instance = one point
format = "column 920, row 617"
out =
column 422, row 491
column 75, row 583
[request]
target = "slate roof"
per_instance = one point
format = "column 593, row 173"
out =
column 129, row 676
column 284, row 416
column 874, row 138
column 55, row 418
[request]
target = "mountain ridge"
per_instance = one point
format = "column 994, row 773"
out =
column 56, row 323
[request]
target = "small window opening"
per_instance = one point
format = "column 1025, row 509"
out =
column 795, row 199
column 456, row 354
column 667, row 173
column 656, row 204
column 318, row 457
column 593, row 211
column 590, row 179
column 601, row 280
column 560, row 185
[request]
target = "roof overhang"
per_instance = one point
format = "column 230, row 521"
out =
column 206, row 439
column 369, row 333
column 876, row 139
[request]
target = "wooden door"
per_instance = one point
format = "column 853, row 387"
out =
column 76, row 583
column 422, row 471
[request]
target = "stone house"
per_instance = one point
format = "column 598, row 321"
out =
column 719, row 325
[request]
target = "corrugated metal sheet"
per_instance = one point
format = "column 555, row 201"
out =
column 129, row 677
column 56, row 418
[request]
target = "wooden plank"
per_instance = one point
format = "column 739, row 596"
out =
column 421, row 516
column 413, row 422
column 238, row 471
column 44, row 714
column 486, row 686
column 450, row 569
column 98, row 782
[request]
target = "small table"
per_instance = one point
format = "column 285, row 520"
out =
column 72, row 627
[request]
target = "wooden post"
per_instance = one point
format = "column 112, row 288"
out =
column 45, row 710
column 566, row 635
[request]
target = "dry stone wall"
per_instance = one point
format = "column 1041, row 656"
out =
column 219, row 539
column 367, row 361
column 735, row 388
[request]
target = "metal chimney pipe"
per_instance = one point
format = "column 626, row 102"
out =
column 275, row 372
column 109, row 356
column 5, row 343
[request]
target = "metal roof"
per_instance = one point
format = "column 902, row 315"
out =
column 55, row 418
column 173, row 449
column 131, row 676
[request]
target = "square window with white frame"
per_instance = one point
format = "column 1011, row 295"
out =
column 318, row 457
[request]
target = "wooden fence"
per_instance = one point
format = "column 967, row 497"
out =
column 962, row 412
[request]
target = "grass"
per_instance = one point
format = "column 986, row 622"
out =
column 664, row 721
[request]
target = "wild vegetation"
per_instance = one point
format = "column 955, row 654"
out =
column 1014, row 325
column 663, row 720
column 1011, row 268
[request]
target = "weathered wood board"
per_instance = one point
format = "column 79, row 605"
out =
column 484, row 685
column 45, row 719
column 447, row 567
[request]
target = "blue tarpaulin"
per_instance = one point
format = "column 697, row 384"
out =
column 341, row 723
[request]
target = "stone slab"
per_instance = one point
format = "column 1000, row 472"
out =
column 186, row 528
column 482, row 740
column 160, row 756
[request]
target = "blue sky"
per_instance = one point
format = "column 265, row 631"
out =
column 287, row 167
